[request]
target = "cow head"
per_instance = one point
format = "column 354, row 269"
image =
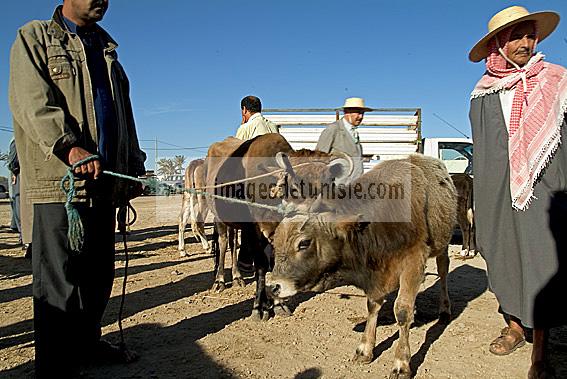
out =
column 307, row 249
column 305, row 173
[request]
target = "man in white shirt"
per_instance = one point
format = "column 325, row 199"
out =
column 253, row 123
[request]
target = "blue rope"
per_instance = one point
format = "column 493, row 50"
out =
column 75, row 231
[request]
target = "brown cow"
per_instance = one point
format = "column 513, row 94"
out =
column 346, row 238
column 465, row 213
column 234, row 160
column 194, row 207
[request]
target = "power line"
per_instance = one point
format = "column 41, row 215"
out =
column 6, row 129
column 448, row 123
column 171, row 144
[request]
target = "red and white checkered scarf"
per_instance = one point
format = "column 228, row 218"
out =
column 537, row 114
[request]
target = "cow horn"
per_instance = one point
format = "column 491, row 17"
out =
column 346, row 164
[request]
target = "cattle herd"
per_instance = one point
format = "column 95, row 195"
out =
column 303, row 225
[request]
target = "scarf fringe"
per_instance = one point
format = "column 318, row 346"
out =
column 550, row 149
column 480, row 93
column 501, row 84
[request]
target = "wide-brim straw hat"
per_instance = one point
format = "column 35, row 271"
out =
column 546, row 23
column 355, row 102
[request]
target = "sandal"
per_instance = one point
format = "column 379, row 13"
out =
column 508, row 341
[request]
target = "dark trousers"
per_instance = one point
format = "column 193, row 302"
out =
column 70, row 290
column 246, row 252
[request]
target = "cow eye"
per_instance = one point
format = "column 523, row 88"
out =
column 304, row 244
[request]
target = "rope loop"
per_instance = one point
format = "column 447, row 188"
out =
column 75, row 230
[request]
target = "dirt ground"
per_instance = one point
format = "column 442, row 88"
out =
column 181, row 329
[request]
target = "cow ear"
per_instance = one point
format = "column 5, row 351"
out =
column 283, row 161
column 351, row 224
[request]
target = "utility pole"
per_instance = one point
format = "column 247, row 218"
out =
column 156, row 165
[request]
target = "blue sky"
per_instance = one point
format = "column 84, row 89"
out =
column 190, row 62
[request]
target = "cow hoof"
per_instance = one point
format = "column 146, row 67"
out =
column 361, row 359
column 444, row 318
column 464, row 253
column 182, row 253
column 238, row 282
column 256, row 315
column 282, row 310
column 260, row 315
column 218, row 286
column 399, row 373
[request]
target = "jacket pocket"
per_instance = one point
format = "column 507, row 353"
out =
column 60, row 69
column 60, row 63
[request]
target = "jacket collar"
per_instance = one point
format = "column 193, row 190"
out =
column 254, row 116
column 59, row 30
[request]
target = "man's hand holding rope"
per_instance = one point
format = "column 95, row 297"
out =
column 91, row 169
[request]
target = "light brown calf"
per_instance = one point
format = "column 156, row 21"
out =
column 346, row 238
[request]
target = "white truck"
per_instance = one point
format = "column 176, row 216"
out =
column 385, row 133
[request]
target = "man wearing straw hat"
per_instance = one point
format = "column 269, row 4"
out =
column 342, row 135
column 520, row 168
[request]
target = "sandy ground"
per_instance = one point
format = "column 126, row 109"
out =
column 181, row 329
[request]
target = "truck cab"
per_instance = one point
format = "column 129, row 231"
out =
column 456, row 153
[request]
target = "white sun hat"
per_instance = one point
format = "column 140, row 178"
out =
column 355, row 102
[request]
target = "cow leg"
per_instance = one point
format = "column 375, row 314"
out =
column 198, row 228
column 466, row 239
column 183, row 218
column 262, row 303
column 472, row 233
column 364, row 351
column 464, row 226
column 410, row 281
column 198, row 222
column 219, row 285
column 444, row 301
column 215, row 246
column 233, row 242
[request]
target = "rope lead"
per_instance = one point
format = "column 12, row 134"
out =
column 75, row 231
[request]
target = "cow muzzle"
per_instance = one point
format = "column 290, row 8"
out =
column 279, row 288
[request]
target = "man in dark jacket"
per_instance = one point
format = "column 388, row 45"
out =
column 69, row 98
